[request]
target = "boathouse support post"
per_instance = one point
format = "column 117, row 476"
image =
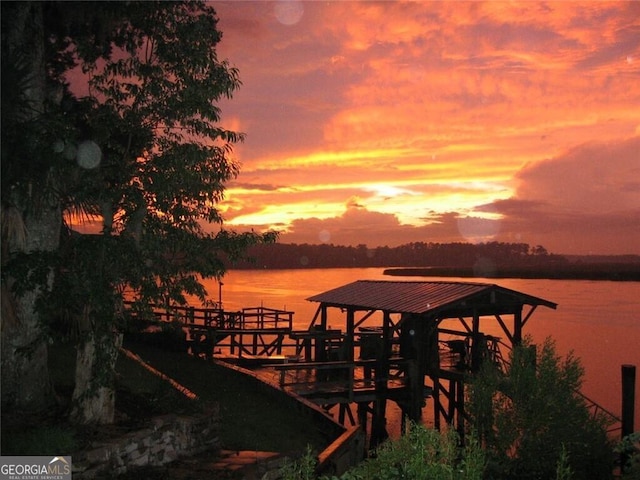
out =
column 451, row 400
column 517, row 327
column 628, row 398
column 460, row 409
column 323, row 317
column 386, row 348
column 349, row 343
column 320, row 353
column 436, row 401
column 362, row 415
column 427, row 362
column 379, row 421
column 476, row 344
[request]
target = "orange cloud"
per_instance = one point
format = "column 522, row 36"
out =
column 428, row 112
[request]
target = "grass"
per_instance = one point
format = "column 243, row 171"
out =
column 251, row 419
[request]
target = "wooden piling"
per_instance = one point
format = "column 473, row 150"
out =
column 628, row 398
column 628, row 405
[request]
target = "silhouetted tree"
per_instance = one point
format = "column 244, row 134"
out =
column 138, row 146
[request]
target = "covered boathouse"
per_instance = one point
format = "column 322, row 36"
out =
column 395, row 336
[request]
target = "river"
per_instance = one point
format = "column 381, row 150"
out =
column 598, row 320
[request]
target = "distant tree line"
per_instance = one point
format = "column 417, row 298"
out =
column 418, row 254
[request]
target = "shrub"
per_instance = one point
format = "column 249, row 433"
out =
column 532, row 421
column 629, row 448
column 419, row 454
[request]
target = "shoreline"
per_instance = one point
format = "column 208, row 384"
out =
column 615, row 273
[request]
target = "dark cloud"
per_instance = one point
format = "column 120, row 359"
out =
column 586, row 200
column 591, row 178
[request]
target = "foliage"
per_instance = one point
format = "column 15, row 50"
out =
column 130, row 136
column 302, row 469
column 420, row 453
column 629, row 449
column 563, row 469
column 164, row 158
column 533, row 423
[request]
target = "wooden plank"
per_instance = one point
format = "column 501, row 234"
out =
column 310, row 365
column 339, row 446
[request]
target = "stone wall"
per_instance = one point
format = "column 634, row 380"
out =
column 167, row 438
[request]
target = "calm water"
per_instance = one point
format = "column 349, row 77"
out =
column 599, row 321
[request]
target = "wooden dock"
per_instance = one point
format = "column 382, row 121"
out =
column 407, row 357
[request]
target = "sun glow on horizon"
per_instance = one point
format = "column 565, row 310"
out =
column 324, row 158
column 284, row 214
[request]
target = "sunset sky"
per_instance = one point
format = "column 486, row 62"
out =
column 383, row 123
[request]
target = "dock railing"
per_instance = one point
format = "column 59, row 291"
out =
column 262, row 318
column 258, row 318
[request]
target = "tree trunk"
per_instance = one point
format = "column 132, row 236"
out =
column 94, row 393
column 26, row 384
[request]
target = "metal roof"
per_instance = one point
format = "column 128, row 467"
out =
column 417, row 297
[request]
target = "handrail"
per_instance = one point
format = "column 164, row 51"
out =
column 262, row 318
column 611, row 417
column 257, row 318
